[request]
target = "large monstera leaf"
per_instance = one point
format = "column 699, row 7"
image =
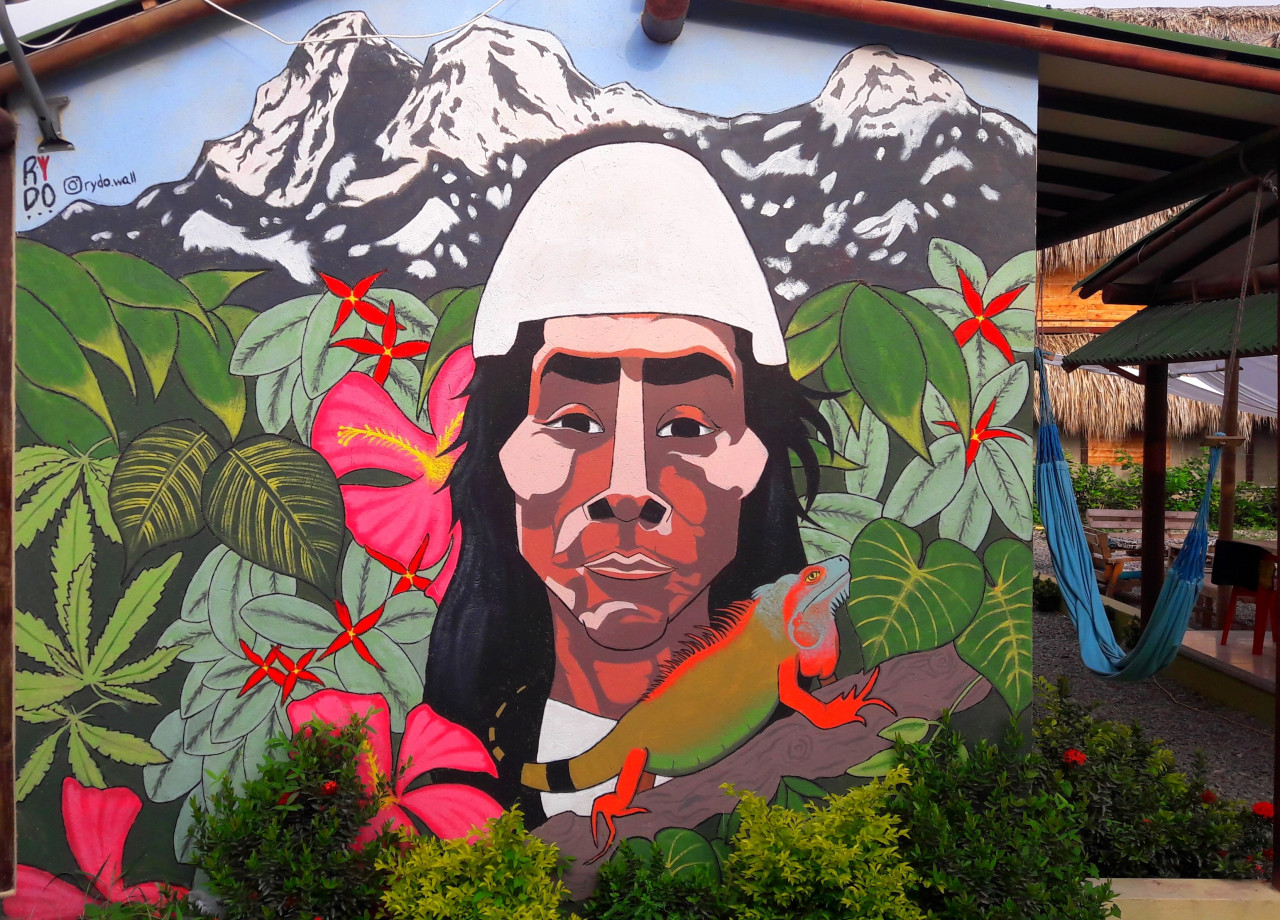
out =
column 901, row 601
column 277, row 503
column 998, row 642
column 879, row 347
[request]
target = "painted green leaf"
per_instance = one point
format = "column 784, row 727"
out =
column 131, row 613
column 408, row 617
column 120, row 746
column 291, row 621
column 33, row 638
column 819, row 308
column 203, row 364
column 235, row 716
column 900, row 602
column 54, row 713
column 33, row 464
column 33, row 689
column 180, row 772
column 83, row 765
column 944, row 361
column 910, row 730
column 1020, row 271
column 197, row 731
column 49, row 358
column 946, row 303
column 884, row 358
column 836, row 379
column 138, row 283
column 927, row 486
column 142, row 671
column 843, row 515
column 60, row 420
column 457, row 311
column 947, row 259
column 1005, row 486
column 75, row 610
column 875, row 766
column 23, row 483
column 366, row 583
column 72, row 547
column 155, row 335
column 155, row 492
column 683, row 851
column 825, row 456
column 794, row 791
column 212, row 288
column 273, row 341
column 304, row 410
column 403, row 382
column 1007, row 391
column 97, row 480
column 835, row 416
column 968, row 516
column 277, row 503
column 33, row 515
column 195, row 602
column 323, row 365
column 807, row 351
column 417, row 317
column 37, row 766
column 196, row 696
column 273, row 393
column 237, row 319
column 998, row 642
column 398, row 680
column 230, row 673
column 231, row 589
column 868, row 447
column 62, row 285
column 821, row 544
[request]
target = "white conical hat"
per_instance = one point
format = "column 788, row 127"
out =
column 628, row 228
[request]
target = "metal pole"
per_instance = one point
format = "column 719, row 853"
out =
column 1154, row 442
column 8, row 820
column 50, row 130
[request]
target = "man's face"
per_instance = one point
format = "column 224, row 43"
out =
column 630, row 468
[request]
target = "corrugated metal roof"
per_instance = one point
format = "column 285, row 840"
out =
column 1184, row 332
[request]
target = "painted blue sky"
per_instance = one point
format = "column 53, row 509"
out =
column 166, row 98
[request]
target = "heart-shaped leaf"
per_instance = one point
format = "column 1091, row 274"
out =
column 277, row 503
column 456, row 308
column 683, row 851
column 900, row 602
column 998, row 642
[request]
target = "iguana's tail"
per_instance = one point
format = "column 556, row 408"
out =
column 548, row 777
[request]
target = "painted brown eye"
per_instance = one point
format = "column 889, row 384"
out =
column 577, row 421
column 683, row 428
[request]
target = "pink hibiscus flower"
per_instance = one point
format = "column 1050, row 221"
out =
column 97, row 822
column 359, row 427
column 429, row 742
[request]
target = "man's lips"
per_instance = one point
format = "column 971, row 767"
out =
column 630, row 567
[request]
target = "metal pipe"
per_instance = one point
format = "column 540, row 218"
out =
column 1155, row 422
column 112, row 37
column 1044, row 38
column 50, row 130
column 663, row 20
column 8, row 818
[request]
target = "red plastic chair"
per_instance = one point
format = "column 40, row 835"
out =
column 1250, row 570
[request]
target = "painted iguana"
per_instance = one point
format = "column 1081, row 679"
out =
column 717, row 691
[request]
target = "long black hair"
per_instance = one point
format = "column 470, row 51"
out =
column 492, row 655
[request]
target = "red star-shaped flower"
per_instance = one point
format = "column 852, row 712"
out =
column 980, row 433
column 388, row 350
column 293, row 672
column 264, row 669
column 352, row 632
column 353, row 299
column 409, row 577
column 983, row 313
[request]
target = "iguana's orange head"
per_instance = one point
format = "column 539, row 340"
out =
column 808, row 610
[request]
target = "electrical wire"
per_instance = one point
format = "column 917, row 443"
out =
column 347, row 38
column 49, row 44
column 1207, row 712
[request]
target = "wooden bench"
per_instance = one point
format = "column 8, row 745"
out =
column 1108, row 563
column 1127, row 525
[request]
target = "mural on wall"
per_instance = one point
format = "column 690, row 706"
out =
column 599, row 452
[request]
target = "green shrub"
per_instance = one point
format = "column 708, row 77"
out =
column 992, row 839
column 508, row 874
column 281, row 848
column 1046, row 596
column 637, row 884
column 172, row 907
column 1145, row 818
column 834, row 859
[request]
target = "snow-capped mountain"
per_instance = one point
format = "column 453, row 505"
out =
column 359, row 158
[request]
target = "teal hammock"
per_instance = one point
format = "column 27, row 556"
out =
column 1073, row 565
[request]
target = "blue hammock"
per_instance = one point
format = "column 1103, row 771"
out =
column 1073, row 564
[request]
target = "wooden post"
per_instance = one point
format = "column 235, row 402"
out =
column 8, row 817
column 1275, row 692
column 1230, row 423
column 1154, row 443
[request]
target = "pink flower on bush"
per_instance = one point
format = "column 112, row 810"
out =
column 1073, row 758
column 97, row 821
column 429, row 742
column 359, row 427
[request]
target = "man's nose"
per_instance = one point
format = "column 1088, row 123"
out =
column 628, row 496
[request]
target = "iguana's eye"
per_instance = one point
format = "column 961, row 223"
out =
column 812, row 576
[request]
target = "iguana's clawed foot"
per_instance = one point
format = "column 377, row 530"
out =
column 844, row 709
column 610, row 806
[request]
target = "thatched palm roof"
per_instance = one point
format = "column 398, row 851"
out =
column 1255, row 25
column 1110, row 407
